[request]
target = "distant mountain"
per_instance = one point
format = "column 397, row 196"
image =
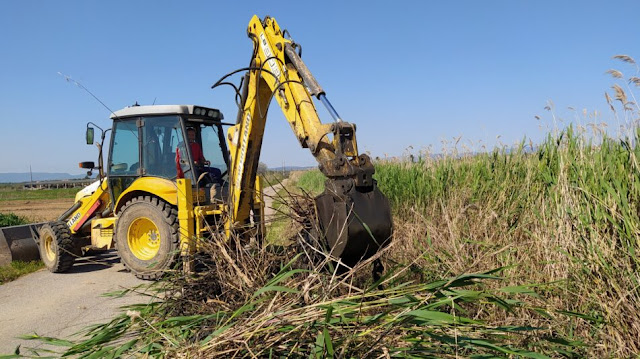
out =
column 291, row 168
column 37, row 176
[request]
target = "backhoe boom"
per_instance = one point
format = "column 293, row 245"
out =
column 351, row 196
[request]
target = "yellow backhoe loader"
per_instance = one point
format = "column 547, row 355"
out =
column 173, row 176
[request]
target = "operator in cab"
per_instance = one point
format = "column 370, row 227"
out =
column 201, row 164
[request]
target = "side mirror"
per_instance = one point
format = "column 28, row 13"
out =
column 87, row 165
column 89, row 135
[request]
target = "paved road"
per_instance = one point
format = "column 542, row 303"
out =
column 60, row 305
column 270, row 193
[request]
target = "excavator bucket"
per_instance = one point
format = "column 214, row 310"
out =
column 356, row 223
column 19, row 243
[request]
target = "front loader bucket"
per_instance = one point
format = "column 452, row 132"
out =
column 19, row 243
column 356, row 223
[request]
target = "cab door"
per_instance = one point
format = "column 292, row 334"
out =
column 123, row 166
column 161, row 138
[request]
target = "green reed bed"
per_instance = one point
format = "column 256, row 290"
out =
column 563, row 215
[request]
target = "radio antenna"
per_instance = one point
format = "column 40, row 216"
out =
column 69, row 79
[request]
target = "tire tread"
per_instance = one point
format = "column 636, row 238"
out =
column 170, row 214
column 67, row 251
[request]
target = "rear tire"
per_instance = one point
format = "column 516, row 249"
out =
column 57, row 249
column 147, row 237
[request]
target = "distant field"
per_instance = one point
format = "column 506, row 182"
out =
column 35, row 205
column 13, row 193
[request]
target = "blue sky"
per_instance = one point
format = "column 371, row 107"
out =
column 408, row 73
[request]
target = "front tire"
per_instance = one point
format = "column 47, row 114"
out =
column 147, row 236
column 57, row 249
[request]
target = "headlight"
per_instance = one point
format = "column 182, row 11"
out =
column 209, row 112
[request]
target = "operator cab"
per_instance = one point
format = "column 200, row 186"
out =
column 167, row 141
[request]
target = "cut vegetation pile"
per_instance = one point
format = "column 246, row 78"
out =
column 274, row 303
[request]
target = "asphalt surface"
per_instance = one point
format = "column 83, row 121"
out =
column 270, row 193
column 60, row 305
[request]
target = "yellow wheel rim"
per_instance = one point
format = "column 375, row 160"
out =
column 49, row 250
column 143, row 238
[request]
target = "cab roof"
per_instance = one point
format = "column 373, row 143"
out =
column 156, row 110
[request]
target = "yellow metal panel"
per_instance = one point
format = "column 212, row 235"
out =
column 102, row 232
column 82, row 215
column 160, row 187
column 185, row 217
column 201, row 227
column 258, row 205
column 246, row 138
column 209, row 210
column 293, row 98
column 258, row 196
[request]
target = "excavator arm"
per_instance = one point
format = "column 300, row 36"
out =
column 354, row 215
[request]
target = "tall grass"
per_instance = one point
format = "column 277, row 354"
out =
column 564, row 216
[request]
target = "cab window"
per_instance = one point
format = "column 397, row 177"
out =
column 211, row 147
column 125, row 154
column 161, row 138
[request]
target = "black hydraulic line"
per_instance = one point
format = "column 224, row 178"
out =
column 69, row 211
column 243, row 97
column 219, row 82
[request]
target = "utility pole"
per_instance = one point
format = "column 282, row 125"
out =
column 30, row 176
